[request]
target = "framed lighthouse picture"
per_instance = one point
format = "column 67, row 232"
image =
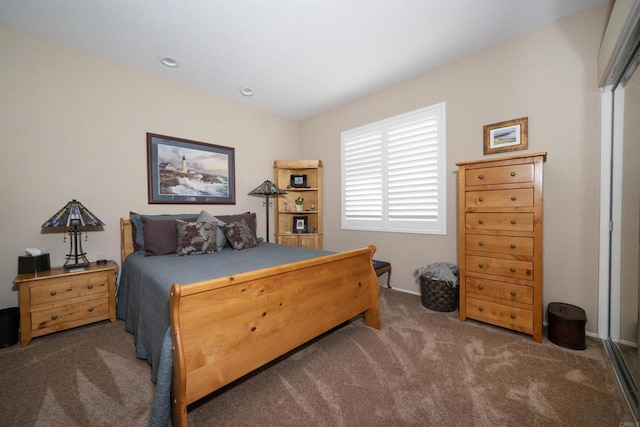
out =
column 180, row 171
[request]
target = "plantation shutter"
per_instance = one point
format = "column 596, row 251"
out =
column 393, row 178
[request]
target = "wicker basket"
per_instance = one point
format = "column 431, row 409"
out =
column 438, row 295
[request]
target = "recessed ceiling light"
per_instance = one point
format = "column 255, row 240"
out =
column 246, row 91
column 167, row 61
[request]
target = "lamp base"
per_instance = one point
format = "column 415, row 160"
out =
column 68, row 266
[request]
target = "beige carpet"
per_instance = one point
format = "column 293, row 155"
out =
column 423, row 368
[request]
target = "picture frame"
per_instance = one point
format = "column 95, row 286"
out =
column 298, row 181
column 181, row 171
column 299, row 224
column 506, row 136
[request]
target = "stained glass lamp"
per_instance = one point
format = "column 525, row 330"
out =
column 267, row 189
column 75, row 218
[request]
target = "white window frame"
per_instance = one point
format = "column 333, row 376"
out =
column 369, row 196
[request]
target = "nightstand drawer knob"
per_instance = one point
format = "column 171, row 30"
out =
column 90, row 287
column 513, row 222
column 513, row 293
column 480, row 176
column 513, row 174
column 513, row 316
column 513, row 198
column 53, row 293
column 513, row 246
column 480, row 243
column 481, row 265
column 90, row 309
column 481, row 199
column 481, row 221
column 480, row 308
column 54, row 317
column 512, row 269
column 481, row 287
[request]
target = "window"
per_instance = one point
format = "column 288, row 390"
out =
column 393, row 175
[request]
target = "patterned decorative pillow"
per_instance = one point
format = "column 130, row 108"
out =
column 195, row 237
column 239, row 235
column 220, row 237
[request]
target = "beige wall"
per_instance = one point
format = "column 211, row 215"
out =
column 550, row 76
column 73, row 125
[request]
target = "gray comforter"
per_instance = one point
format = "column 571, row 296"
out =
column 143, row 301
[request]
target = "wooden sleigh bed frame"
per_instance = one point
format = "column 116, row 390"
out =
column 227, row 327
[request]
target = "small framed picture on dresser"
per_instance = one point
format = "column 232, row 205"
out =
column 506, row 136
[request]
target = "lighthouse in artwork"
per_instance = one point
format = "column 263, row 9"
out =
column 184, row 164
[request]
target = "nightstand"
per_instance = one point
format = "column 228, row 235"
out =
column 59, row 299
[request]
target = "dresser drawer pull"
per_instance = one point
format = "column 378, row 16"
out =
column 512, row 246
column 481, row 265
column 513, row 198
column 90, row 287
column 480, row 243
column 53, row 293
column 480, row 308
column 481, row 221
column 512, row 269
column 481, row 199
column 90, row 309
column 513, row 316
column 513, row 293
column 481, row 287
column 480, row 176
column 54, row 317
column 513, row 222
column 513, row 174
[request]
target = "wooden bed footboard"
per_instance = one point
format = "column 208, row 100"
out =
column 225, row 328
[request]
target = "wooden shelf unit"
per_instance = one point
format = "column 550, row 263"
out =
column 285, row 208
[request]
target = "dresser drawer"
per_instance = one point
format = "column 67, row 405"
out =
column 499, row 221
column 500, row 244
column 64, row 314
column 499, row 314
column 69, row 287
column 500, row 267
column 509, row 174
column 499, row 198
column 502, row 290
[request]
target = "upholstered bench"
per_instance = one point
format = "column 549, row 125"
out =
column 382, row 267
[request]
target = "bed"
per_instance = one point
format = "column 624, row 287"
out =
column 202, row 330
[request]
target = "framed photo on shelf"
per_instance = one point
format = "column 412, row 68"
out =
column 180, row 171
column 299, row 224
column 506, row 136
column 298, row 181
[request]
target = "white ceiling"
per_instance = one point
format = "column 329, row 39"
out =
column 301, row 57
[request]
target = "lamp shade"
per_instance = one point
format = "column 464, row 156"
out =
column 267, row 188
column 73, row 214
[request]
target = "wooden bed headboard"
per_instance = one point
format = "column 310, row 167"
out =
column 126, row 239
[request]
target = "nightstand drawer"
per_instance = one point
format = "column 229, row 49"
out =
column 500, row 244
column 500, row 290
column 64, row 288
column 499, row 198
column 500, row 175
column 64, row 314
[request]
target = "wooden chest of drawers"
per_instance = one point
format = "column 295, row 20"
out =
column 58, row 299
column 500, row 242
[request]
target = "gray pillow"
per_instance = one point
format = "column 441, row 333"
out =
column 220, row 237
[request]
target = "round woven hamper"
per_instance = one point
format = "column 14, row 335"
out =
column 438, row 295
